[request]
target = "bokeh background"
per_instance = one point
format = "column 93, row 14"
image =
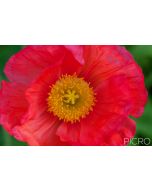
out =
column 143, row 56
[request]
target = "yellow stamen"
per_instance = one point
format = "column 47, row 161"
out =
column 71, row 98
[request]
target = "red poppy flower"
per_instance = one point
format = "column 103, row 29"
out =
column 72, row 95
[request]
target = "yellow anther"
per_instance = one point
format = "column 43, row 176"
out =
column 71, row 98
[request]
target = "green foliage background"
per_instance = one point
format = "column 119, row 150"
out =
column 143, row 56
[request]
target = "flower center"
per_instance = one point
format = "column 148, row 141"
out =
column 71, row 98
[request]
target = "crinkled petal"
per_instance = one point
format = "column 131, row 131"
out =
column 77, row 51
column 124, row 135
column 113, row 96
column 39, row 126
column 13, row 104
column 103, row 62
column 39, row 131
column 108, row 129
column 69, row 133
column 27, row 64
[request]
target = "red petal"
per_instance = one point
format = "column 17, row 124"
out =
column 108, row 129
column 70, row 65
column 24, row 66
column 28, row 63
column 113, row 96
column 69, row 133
column 13, row 104
column 124, row 135
column 39, row 126
column 39, row 131
column 103, row 62
column 77, row 51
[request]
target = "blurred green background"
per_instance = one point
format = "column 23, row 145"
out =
column 143, row 56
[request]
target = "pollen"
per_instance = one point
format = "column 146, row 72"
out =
column 71, row 98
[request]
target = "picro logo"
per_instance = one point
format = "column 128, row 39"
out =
column 138, row 141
